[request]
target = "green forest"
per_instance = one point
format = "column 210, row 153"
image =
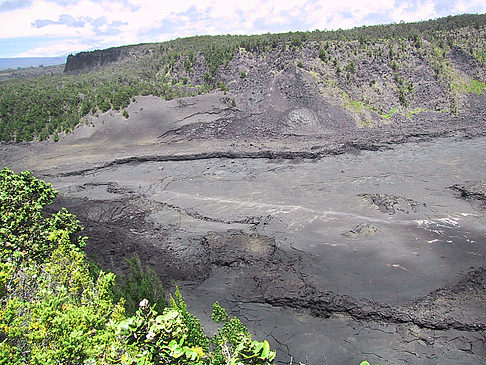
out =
column 58, row 307
column 40, row 107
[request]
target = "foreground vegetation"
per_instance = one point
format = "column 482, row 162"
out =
column 37, row 108
column 58, row 308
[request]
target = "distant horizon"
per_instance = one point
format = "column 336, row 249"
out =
column 52, row 28
column 14, row 63
column 21, row 58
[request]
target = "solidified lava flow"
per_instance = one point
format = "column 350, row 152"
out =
column 340, row 257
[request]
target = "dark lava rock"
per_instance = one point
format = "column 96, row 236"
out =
column 93, row 59
column 391, row 203
column 474, row 192
column 235, row 248
column 362, row 229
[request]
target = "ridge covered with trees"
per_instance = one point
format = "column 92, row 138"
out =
column 40, row 107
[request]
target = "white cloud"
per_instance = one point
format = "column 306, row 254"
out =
column 423, row 11
column 56, row 48
column 476, row 6
column 346, row 13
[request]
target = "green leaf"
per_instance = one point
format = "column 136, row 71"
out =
column 173, row 345
column 258, row 346
column 266, row 350
column 178, row 352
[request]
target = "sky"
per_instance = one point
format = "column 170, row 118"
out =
column 48, row 28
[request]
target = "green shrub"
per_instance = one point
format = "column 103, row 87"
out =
column 140, row 283
column 176, row 337
column 297, row 42
column 323, row 55
column 233, row 343
column 25, row 233
column 157, row 339
column 222, row 86
column 351, row 67
column 417, row 40
column 52, row 308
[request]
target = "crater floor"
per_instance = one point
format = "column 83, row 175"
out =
column 337, row 258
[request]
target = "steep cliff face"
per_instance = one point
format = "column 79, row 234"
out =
column 85, row 61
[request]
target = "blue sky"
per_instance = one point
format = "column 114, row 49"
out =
column 42, row 28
